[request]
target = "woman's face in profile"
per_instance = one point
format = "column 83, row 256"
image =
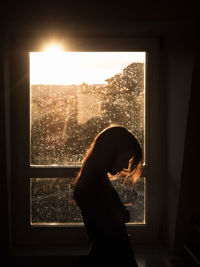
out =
column 120, row 162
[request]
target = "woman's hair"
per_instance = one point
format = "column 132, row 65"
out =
column 112, row 141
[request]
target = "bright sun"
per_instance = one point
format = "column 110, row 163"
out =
column 57, row 67
column 54, row 48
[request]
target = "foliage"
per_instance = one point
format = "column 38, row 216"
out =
column 65, row 119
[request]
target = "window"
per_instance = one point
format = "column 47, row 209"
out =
column 53, row 121
column 74, row 96
column 52, row 201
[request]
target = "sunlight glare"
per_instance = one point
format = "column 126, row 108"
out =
column 53, row 48
column 58, row 67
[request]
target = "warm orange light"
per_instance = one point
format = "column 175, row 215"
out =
column 54, row 48
column 55, row 66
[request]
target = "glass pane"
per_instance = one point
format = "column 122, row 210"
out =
column 74, row 95
column 133, row 199
column 52, row 201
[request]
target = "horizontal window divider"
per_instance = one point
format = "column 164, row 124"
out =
column 55, row 167
column 52, row 172
column 61, row 172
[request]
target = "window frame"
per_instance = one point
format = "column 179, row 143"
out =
column 21, row 171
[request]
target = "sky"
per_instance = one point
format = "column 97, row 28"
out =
column 67, row 68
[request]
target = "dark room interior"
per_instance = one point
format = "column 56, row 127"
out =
column 169, row 32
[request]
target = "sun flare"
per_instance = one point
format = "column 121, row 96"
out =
column 66, row 68
column 54, row 48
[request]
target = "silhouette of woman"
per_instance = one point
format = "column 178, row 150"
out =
column 114, row 150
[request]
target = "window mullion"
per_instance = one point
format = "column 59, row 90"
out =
column 52, row 172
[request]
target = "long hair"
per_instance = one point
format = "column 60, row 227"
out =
column 112, row 141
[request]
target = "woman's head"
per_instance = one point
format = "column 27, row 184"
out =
column 112, row 150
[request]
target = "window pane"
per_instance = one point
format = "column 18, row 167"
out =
column 133, row 199
column 74, row 95
column 52, row 201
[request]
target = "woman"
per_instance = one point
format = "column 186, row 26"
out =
column 113, row 151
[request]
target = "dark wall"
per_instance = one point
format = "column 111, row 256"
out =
column 175, row 24
column 4, row 231
column 189, row 198
column 180, row 60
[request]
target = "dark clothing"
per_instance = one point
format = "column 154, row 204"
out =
column 104, row 217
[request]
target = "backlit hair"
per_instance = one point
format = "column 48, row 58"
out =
column 112, row 141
